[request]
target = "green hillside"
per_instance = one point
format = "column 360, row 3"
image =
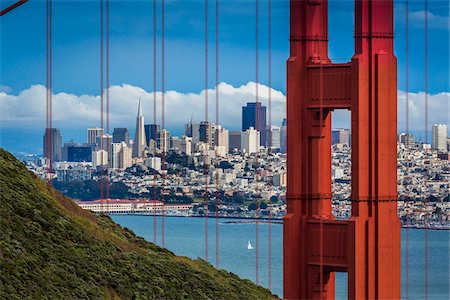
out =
column 50, row 248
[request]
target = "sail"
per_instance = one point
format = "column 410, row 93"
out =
column 249, row 245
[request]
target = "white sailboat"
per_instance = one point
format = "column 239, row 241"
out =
column 249, row 245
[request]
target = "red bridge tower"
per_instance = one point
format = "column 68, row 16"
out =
column 367, row 246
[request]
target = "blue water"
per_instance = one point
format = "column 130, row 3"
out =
column 186, row 236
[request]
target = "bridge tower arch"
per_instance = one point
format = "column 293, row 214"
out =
column 316, row 245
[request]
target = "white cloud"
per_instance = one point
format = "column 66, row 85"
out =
column 438, row 110
column 27, row 110
column 71, row 111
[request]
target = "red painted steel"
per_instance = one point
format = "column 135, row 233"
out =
column 367, row 246
column 11, row 7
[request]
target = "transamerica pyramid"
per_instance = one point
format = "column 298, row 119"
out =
column 139, row 143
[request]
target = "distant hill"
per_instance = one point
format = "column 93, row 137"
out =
column 50, row 248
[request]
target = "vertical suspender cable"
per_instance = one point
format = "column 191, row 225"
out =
column 107, row 102
column 217, row 122
column 257, row 142
column 103, row 138
column 407, row 134
column 206, row 138
column 271, row 137
column 164, row 138
column 426, row 134
column 154, row 119
column 49, row 92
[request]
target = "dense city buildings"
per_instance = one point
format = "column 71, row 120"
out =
column 254, row 115
column 52, row 144
column 234, row 164
column 139, row 142
column 439, row 137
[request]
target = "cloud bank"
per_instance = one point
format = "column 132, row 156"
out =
column 27, row 109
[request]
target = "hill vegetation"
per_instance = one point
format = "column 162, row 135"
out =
column 50, row 248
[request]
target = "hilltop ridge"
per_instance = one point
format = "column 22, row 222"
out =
column 51, row 248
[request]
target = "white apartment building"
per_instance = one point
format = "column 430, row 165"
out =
column 439, row 137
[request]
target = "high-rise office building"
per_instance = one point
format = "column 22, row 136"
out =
column 139, row 142
column 234, row 140
column 439, row 137
column 251, row 112
column 52, row 142
column 121, row 156
column 250, row 140
column 164, row 140
column 406, row 139
column 273, row 137
column 222, row 138
column 340, row 136
column 93, row 134
column 193, row 131
column 121, row 135
column 99, row 158
column 175, row 143
column 104, row 142
column 283, row 140
column 74, row 152
column 205, row 133
column 151, row 132
column 186, row 145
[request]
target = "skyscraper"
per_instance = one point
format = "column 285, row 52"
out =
column 252, row 111
column 93, row 133
column 193, row 131
column 283, row 140
column 439, row 137
column 164, row 140
column 205, row 132
column 340, row 136
column 151, row 132
column 234, row 140
column 250, row 140
column 273, row 137
column 121, row 135
column 52, row 142
column 139, row 142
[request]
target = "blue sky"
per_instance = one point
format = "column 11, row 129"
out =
column 76, row 46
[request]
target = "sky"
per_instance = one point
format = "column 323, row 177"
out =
column 76, row 65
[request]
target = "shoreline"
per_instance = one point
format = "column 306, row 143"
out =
column 249, row 220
